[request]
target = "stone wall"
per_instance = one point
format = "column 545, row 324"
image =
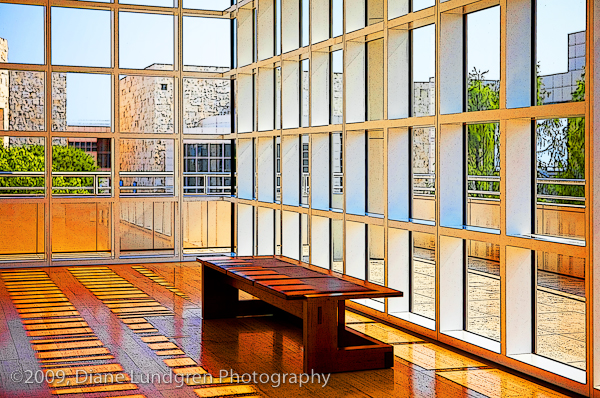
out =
column 4, row 85
column 207, row 106
column 26, row 101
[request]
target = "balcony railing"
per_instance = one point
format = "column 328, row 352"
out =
column 153, row 183
column 101, row 183
column 207, row 183
column 30, row 191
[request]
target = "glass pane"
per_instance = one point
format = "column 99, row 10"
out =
column 21, row 32
column 22, row 165
column 305, row 171
column 337, row 246
column 375, row 172
column 146, row 104
column 337, row 18
column 423, row 71
column 81, row 166
column 146, row 41
column 483, row 289
column 206, row 106
column 337, row 171
column 277, row 27
column 375, row 83
column 207, row 227
column 423, row 174
column 81, row 102
column 560, row 51
column 81, row 228
column 22, row 100
column 304, row 23
column 337, row 87
column 81, row 37
column 146, row 167
column 483, row 59
column 560, row 308
column 147, row 226
column 22, row 231
column 278, row 98
column 277, row 232
column 376, row 255
column 483, row 169
column 374, row 11
column 422, row 4
column 561, row 178
column 304, row 92
column 423, row 275
column 277, row 169
column 305, row 238
column 212, row 55
column 214, row 5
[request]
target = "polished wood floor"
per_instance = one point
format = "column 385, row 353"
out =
column 131, row 326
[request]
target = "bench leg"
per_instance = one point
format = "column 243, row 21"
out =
column 320, row 334
column 219, row 299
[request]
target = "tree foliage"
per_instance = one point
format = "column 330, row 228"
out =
column 483, row 140
column 30, row 158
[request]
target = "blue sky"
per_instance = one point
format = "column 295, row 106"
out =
column 83, row 38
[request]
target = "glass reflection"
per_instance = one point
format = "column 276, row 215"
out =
column 206, row 105
column 483, row 175
column 81, row 102
column 483, row 60
column 376, row 268
column 206, row 55
column 337, row 171
column 560, row 177
column 22, row 100
column 337, row 246
column 21, row 34
column 79, row 228
column 304, row 238
column 146, row 104
column 207, row 227
column 560, row 51
column 146, row 167
column 23, row 165
column 81, row 37
column 147, row 227
column 304, row 92
column 483, row 289
column 423, row 174
column 146, row 41
column 422, row 299
column 423, row 71
column 337, row 87
column 560, row 304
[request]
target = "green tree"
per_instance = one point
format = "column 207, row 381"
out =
column 483, row 140
column 30, row 158
column 561, row 148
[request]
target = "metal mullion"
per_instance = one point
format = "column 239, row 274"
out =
column 179, row 104
column 23, row 67
column 437, row 184
column 116, row 210
column 48, row 124
column 26, row 2
column 146, row 72
column 81, row 69
column 141, row 9
column 82, row 4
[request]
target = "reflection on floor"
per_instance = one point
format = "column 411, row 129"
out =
column 560, row 306
column 114, row 320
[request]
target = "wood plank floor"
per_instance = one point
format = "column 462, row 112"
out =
column 138, row 330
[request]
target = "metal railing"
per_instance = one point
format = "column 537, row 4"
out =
column 208, row 185
column 561, row 181
column 101, row 183
column 146, row 190
column 23, row 174
column 488, row 179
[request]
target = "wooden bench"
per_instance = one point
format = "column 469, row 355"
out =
column 315, row 295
